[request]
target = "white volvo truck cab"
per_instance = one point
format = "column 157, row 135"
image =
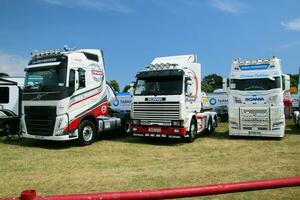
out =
column 167, row 100
column 66, row 97
column 255, row 98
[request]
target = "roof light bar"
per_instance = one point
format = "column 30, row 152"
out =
column 161, row 66
column 40, row 54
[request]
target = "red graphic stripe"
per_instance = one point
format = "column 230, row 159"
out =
column 83, row 99
column 96, row 112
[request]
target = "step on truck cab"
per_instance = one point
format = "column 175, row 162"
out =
column 297, row 112
column 166, row 101
column 255, row 98
column 66, row 96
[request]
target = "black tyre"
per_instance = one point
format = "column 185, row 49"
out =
column 210, row 126
column 126, row 126
column 87, row 133
column 193, row 131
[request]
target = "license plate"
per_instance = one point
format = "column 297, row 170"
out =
column 39, row 137
column 154, row 130
column 254, row 132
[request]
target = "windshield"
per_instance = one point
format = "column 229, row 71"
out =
column 49, row 78
column 163, row 85
column 255, row 84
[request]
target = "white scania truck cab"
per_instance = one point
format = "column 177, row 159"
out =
column 66, row 96
column 167, row 100
column 255, row 98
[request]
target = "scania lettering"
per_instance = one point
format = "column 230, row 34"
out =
column 255, row 98
column 166, row 102
column 66, row 97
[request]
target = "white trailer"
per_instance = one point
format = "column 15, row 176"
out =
column 297, row 113
column 10, row 105
column 255, row 98
column 167, row 100
column 66, row 97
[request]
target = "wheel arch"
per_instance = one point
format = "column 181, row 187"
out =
column 190, row 117
column 90, row 118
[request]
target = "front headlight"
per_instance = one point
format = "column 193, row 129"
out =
column 136, row 122
column 232, row 123
column 278, row 124
column 177, row 123
column 62, row 123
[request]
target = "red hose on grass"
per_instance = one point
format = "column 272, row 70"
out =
column 170, row 193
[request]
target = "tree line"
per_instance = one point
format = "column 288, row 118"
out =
column 209, row 83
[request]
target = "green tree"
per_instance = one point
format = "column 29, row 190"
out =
column 206, row 87
column 212, row 82
column 294, row 80
column 115, row 85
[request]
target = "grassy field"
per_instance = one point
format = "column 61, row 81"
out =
column 115, row 163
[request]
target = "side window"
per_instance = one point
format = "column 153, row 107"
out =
column 4, row 97
column 81, row 78
column 190, row 86
column 72, row 78
column 193, row 87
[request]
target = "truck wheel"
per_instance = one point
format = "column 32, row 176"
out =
column 193, row 131
column 210, row 127
column 87, row 132
column 126, row 127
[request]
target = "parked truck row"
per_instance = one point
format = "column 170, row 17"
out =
column 66, row 97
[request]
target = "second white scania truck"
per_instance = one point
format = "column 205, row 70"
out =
column 255, row 98
column 66, row 97
column 167, row 100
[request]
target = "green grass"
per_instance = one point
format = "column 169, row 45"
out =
column 115, row 163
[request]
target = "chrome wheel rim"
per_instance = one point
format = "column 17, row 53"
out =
column 87, row 133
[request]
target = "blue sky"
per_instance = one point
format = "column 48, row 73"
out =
column 132, row 32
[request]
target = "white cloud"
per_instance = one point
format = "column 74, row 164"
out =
column 100, row 5
column 230, row 6
column 12, row 65
column 290, row 45
column 293, row 24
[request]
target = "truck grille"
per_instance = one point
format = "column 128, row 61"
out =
column 156, row 111
column 258, row 118
column 40, row 120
